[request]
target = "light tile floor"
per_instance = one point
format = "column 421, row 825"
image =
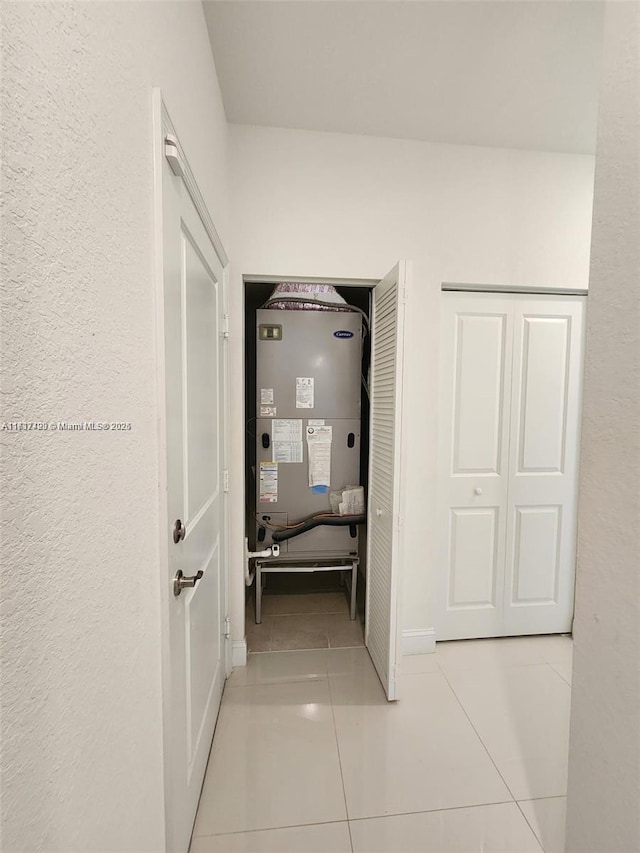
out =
column 309, row 621
column 309, row 757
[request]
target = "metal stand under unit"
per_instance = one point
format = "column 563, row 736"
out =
column 330, row 565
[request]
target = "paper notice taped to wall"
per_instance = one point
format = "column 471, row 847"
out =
column 268, row 482
column 315, row 422
column 268, row 411
column 304, row 392
column 319, row 440
column 266, row 396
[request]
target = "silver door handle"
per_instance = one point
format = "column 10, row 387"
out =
column 181, row 582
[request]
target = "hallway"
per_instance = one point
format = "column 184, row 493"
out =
column 308, row 756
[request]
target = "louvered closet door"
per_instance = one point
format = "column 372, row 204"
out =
column 384, row 559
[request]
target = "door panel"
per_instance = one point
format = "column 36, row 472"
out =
column 193, row 383
column 512, row 367
column 543, row 471
column 474, row 558
column 383, row 628
column 536, row 555
column 473, row 455
column 479, row 395
column 543, row 406
column 201, row 368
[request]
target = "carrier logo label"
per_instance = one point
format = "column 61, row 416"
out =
column 343, row 333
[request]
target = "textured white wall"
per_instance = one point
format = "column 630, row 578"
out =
column 604, row 759
column 316, row 204
column 81, row 725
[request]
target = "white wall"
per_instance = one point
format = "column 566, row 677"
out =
column 315, row 204
column 81, row 723
column 604, row 757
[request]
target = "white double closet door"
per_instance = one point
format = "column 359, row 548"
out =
column 509, row 440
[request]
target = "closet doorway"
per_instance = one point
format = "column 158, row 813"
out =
column 510, row 403
column 382, row 464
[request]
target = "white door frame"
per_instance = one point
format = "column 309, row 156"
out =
column 162, row 126
column 370, row 284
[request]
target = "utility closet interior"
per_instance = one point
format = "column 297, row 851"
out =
column 307, row 360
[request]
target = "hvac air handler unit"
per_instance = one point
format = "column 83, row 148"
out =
column 308, row 419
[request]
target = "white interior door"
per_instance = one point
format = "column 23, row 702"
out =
column 194, row 387
column 476, row 335
column 510, row 402
column 546, row 407
column 383, row 628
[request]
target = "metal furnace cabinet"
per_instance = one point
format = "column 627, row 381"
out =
column 308, row 378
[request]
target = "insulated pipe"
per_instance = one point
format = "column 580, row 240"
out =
column 273, row 551
column 310, row 523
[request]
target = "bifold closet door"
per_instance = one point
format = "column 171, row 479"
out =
column 510, row 403
column 476, row 336
column 546, row 408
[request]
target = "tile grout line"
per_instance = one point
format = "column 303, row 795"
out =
column 367, row 817
column 335, row 731
column 539, row 840
column 477, row 733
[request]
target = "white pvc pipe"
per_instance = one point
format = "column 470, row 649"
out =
column 272, row 551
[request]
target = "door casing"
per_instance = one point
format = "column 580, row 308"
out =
column 162, row 125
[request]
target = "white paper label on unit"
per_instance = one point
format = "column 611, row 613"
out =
column 304, row 392
column 266, row 396
column 268, row 411
column 287, row 451
column 286, row 438
column 319, row 440
column 268, row 482
column 286, row 429
column 315, row 422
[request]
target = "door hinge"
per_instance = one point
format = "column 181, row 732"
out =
column 226, row 330
column 227, row 628
column 225, row 480
column 398, row 523
column 405, row 294
column 172, row 153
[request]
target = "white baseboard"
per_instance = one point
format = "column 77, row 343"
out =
column 418, row 641
column 239, row 653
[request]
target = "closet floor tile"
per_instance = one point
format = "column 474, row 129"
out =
column 343, row 632
column 274, row 761
column 304, row 631
column 259, row 636
column 483, row 829
column 313, row 602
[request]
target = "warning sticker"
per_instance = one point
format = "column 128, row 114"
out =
column 268, row 411
column 268, row 482
column 266, row 396
column 304, row 392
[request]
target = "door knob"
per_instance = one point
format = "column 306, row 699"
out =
column 179, row 531
column 477, row 490
column 181, row 582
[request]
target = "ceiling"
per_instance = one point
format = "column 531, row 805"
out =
column 504, row 74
